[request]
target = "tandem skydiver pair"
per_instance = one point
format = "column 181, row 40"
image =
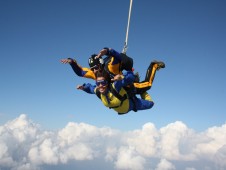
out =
column 116, row 84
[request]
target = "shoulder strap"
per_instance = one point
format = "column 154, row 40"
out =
column 116, row 94
column 98, row 93
column 130, row 95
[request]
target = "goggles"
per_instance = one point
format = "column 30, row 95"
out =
column 103, row 82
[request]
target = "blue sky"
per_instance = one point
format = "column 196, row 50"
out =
column 46, row 123
column 189, row 36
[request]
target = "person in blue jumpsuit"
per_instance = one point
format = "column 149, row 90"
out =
column 105, row 87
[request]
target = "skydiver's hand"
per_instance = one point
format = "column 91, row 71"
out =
column 66, row 61
column 102, row 52
column 80, row 87
column 117, row 77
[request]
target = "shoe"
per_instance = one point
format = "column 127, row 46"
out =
column 137, row 77
column 159, row 63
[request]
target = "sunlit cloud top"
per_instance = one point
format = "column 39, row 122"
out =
column 24, row 145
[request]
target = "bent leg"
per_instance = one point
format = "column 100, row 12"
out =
column 150, row 74
column 145, row 85
column 142, row 87
column 142, row 104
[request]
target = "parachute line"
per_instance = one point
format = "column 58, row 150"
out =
column 127, row 30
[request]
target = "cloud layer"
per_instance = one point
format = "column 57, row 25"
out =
column 25, row 146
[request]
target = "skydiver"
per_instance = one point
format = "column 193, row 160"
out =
column 113, row 95
column 114, row 64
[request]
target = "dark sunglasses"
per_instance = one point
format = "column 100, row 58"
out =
column 96, row 67
column 103, row 82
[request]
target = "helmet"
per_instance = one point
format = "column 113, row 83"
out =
column 93, row 61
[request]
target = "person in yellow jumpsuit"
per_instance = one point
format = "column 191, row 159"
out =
column 113, row 95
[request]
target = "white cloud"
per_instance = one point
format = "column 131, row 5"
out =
column 128, row 159
column 23, row 145
column 144, row 141
column 176, row 142
column 165, row 165
column 220, row 157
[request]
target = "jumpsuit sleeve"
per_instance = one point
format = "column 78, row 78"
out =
column 82, row 72
column 89, row 88
column 117, row 57
column 115, row 54
column 128, row 79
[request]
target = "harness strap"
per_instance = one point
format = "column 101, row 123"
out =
column 130, row 95
column 98, row 93
column 117, row 95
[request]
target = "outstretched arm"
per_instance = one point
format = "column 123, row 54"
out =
column 88, row 88
column 67, row 61
column 79, row 71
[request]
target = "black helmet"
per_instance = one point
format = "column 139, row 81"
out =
column 93, row 61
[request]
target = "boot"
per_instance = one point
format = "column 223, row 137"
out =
column 159, row 63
